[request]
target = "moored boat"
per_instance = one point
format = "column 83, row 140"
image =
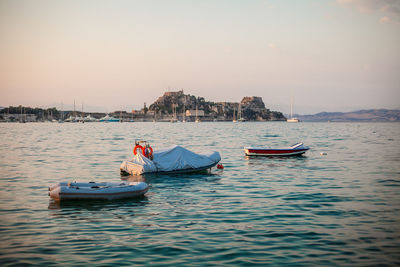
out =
column 294, row 150
column 92, row 190
column 108, row 118
column 172, row 160
column 292, row 119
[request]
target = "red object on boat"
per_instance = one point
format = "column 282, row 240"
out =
column 295, row 150
column 220, row 166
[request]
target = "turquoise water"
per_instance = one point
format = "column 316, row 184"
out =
column 342, row 208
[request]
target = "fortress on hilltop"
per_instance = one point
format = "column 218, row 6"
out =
column 177, row 103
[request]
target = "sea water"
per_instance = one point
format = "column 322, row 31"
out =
column 337, row 205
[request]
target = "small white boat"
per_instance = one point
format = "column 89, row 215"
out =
column 292, row 119
column 89, row 118
column 92, row 190
column 70, row 119
column 295, row 150
column 108, row 118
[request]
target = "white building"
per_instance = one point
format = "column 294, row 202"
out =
column 192, row 113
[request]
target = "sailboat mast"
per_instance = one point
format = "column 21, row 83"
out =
column 183, row 113
column 174, row 111
column 291, row 108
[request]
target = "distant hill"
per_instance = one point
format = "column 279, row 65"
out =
column 378, row 115
column 252, row 108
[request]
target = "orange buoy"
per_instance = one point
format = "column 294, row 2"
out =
column 137, row 147
column 147, row 151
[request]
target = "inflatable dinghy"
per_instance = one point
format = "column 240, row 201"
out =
column 92, row 190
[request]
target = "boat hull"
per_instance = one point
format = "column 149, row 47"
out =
column 189, row 170
column 80, row 191
column 274, row 152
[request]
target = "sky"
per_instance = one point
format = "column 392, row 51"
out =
column 326, row 55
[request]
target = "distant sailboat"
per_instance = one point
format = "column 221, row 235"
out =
column 73, row 117
column 183, row 113
column 174, row 119
column 292, row 119
column 108, row 118
column 89, row 118
column 197, row 119
column 21, row 118
column 240, row 119
column 234, row 115
column 80, row 117
column 61, row 119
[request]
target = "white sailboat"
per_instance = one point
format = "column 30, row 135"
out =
column 89, row 118
column 72, row 117
column 197, row 119
column 183, row 113
column 174, row 119
column 108, row 118
column 234, row 115
column 21, row 119
column 240, row 119
column 79, row 118
column 292, row 119
column 61, row 119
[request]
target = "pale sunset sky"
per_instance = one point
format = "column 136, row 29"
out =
column 329, row 55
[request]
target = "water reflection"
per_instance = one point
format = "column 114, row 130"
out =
column 96, row 205
column 181, row 178
column 151, row 177
column 133, row 178
column 276, row 157
column 274, row 161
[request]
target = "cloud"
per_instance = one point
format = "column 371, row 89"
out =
column 386, row 7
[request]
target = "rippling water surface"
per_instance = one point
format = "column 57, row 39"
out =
column 342, row 208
